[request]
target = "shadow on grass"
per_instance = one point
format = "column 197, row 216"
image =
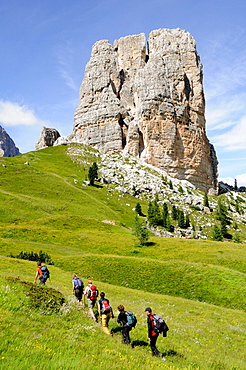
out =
column 139, row 343
column 171, row 353
column 97, row 186
column 147, row 244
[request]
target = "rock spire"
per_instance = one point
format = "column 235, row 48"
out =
column 147, row 99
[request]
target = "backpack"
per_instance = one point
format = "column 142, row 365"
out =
column 159, row 325
column 93, row 292
column 106, row 308
column 78, row 284
column 45, row 272
column 131, row 319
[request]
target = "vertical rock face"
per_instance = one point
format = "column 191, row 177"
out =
column 7, row 145
column 148, row 100
column 47, row 137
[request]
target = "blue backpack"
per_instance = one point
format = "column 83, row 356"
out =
column 45, row 272
column 78, row 284
column 131, row 319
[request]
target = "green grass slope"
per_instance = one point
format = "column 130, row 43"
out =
column 198, row 286
column 201, row 336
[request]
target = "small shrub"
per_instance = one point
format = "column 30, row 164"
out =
column 41, row 297
column 33, row 256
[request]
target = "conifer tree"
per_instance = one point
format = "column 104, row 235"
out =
column 93, row 173
column 180, row 189
column 151, row 214
column 217, row 234
column 157, row 213
column 141, row 231
column 169, row 226
column 187, row 221
column 181, row 219
column 205, row 200
column 138, row 209
column 164, row 214
column 174, row 212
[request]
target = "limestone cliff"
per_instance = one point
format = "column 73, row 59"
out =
column 7, row 145
column 147, row 99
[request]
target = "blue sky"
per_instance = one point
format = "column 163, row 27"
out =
column 45, row 45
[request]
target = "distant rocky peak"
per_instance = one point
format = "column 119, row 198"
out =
column 47, row 137
column 7, row 145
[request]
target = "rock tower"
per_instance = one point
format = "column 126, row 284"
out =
column 147, row 99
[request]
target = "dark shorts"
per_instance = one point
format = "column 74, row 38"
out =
column 91, row 303
column 78, row 294
column 42, row 280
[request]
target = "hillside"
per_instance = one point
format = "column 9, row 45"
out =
column 198, row 285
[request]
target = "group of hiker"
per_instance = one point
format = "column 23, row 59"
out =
column 127, row 319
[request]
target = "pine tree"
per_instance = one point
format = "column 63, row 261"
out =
column 217, row 234
column 93, row 173
column 180, row 189
column 205, row 200
column 164, row 214
column 169, row 226
column 157, row 213
column 187, row 221
column 151, row 214
column 174, row 212
column 141, row 231
column 222, row 216
column 181, row 219
column 138, row 209
column 224, row 228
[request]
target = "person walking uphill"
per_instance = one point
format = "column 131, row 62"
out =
column 42, row 273
column 128, row 321
column 78, row 288
column 92, row 294
column 105, row 312
column 152, row 332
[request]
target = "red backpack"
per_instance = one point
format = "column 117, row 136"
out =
column 93, row 292
column 106, row 308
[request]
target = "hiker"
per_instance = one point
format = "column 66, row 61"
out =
column 105, row 312
column 156, row 325
column 92, row 294
column 128, row 320
column 42, row 273
column 78, row 288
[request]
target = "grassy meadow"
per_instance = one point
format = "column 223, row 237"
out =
column 198, row 286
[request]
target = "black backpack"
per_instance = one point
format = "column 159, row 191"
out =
column 159, row 325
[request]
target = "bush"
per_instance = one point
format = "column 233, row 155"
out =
column 33, row 256
column 41, row 297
